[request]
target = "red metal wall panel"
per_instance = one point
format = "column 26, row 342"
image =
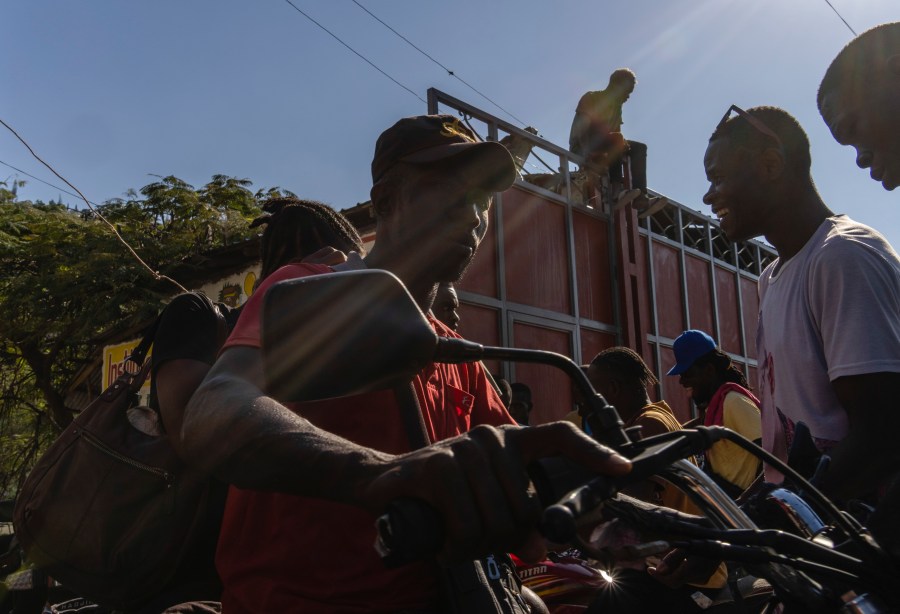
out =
column 646, row 307
column 594, row 273
column 536, row 254
column 700, row 303
column 750, row 302
column 667, row 271
column 729, row 317
column 753, row 380
column 551, row 389
column 482, row 325
column 593, row 342
column 481, row 277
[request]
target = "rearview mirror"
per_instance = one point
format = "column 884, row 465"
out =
column 341, row 334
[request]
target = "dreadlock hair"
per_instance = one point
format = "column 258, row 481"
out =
column 853, row 69
column 296, row 228
column 726, row 369
column 795, row 144
column 625, row 364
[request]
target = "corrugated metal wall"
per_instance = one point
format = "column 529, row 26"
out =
column 555, row 274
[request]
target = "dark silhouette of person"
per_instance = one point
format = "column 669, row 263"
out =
column 520, row 404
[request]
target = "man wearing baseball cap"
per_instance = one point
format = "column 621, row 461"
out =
column 312, row 478
column 720, row 393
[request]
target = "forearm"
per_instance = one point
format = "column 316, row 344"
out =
column 860, row 464
column 869, row 454
column 253, row 442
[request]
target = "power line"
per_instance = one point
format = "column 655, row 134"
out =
column 361, row 56
column 55, row 187
column 841, row 16
column 156, row 274
column 449, row 72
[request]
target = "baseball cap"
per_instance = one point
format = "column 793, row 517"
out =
column 688, row 347
column 425, row 139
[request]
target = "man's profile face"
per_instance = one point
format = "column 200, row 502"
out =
column 732, row 191
column 700, row 380
column 519, row 408
column 624, row 90
column 442, row 217
column 869, row 122
column 446, row 306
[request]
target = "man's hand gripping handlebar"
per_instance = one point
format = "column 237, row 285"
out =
column 471, row 495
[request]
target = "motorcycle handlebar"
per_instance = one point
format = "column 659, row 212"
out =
column 411, row 530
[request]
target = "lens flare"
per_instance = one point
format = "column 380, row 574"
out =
column 607, row 575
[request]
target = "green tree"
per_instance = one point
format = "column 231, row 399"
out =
column 68, row 286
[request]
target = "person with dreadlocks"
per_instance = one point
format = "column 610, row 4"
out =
column 191, row 331
column 303, row 230
column 623, row 378
column 722, row 397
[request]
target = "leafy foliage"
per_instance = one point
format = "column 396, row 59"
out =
column 67, row 285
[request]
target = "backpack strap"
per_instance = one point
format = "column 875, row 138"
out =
column 221, row 326
column 140, row 352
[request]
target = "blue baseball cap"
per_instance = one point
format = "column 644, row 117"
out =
column 688, row 347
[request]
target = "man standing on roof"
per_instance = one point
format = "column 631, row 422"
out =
column 309, row 479
column 596, row 134
column 828, row 340
column 721, row 395
column 859, row 97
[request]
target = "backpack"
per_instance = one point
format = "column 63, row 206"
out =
column 110, row 509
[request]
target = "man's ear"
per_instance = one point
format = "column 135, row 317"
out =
column 615, row 387
column 380, row 199
column 709, row 370
column 772, row 163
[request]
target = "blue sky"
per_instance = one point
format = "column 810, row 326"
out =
column 111, row 92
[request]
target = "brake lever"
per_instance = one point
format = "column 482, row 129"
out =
column 559, row 522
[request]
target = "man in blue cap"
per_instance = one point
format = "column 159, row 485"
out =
column 720, row 393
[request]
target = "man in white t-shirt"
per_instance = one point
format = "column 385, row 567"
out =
column 828, row 341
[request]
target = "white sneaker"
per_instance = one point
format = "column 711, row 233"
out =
column 652, row 205
column 626, row 197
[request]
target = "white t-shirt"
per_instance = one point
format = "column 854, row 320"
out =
column 832, row 310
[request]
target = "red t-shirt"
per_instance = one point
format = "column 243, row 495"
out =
column 283, row 553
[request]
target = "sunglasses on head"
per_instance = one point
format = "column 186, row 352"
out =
column 753, row 121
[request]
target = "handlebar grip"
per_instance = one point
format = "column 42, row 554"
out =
column 410, row 530
column 558, row 522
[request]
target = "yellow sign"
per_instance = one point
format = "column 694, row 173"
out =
column 114, row 364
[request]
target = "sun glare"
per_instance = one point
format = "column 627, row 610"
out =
column 607, row 575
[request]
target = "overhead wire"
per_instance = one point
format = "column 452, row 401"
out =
column 156, row 274
column 358, row 54
column 841, row 16
column 47, row 183
column 427, row 55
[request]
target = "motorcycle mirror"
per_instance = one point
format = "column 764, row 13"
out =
column 342, row 334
